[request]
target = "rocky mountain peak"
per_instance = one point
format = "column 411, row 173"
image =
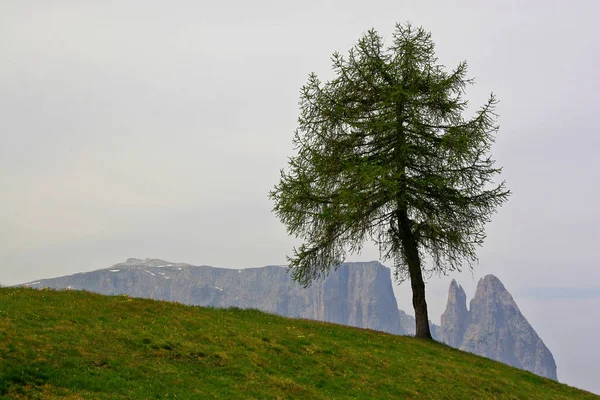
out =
column 490, row 285
column 456, row 296
column 357, row 294
column 456, row 316
column 148, row 262
column 494, row 327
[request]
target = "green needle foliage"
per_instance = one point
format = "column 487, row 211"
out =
column 385, row 154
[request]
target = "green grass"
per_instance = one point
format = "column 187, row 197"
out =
column 79, row 345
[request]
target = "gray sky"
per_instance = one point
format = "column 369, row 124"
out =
column 156, row 129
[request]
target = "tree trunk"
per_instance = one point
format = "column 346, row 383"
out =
column 411, row 253
column 420, row 305
column 407, row 237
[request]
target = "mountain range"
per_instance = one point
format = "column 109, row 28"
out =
column 356, row 294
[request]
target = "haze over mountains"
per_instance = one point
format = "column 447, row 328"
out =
column 356, row 294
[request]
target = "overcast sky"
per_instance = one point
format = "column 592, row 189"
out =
column 157, row 128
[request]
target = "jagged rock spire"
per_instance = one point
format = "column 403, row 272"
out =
column 495, row 328
column 454, row 319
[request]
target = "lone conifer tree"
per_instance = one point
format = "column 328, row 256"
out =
column 384, row 154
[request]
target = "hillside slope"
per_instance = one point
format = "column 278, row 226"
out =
column 358, row 294
column 72, row 344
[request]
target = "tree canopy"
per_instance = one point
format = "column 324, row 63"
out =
column 384, row 154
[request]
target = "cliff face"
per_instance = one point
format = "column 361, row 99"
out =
column 495, row 328
column 356, row 294
column 456, row 317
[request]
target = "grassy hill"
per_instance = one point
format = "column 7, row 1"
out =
column 79, row 345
